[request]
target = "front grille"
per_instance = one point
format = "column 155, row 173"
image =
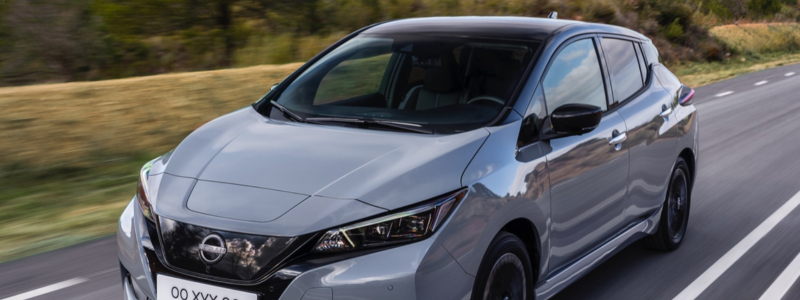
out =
column 249, row 259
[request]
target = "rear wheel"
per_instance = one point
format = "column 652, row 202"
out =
column 505, row 272
column 675, row 212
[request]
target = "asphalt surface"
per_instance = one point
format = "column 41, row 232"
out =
column 749, row 169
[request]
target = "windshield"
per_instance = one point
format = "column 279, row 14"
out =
column 444, row 84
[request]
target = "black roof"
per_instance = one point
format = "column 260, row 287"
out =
column 517, row 28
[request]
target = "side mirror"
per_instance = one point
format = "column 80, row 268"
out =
column 685, row 95
column 574, row 119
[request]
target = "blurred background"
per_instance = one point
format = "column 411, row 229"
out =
column 92, row 89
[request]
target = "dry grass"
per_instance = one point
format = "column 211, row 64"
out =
column 699, row 74
column 75, row 123
column 69, row 153
column 75, row 148
column 759, row 38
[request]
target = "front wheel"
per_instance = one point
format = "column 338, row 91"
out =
column 675, row 212
column 505, row 272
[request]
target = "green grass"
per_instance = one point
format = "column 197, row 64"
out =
column 42, row 210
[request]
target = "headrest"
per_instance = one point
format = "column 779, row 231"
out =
column 505, row 69
column 496, row 64
column 439, row 79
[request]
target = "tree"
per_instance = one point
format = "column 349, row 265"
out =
column 50, row 38
column 736, row 7
column 764, row 7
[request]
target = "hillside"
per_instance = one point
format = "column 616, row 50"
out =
column 70, row 152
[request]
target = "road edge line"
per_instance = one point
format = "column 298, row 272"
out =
column 726, row 261
column 784, row 282
column 47, row 289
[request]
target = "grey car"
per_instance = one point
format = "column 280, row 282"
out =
column 431, row 158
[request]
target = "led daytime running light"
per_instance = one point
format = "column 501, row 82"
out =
column 407, row 226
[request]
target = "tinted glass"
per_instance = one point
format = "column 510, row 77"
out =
column 650, row 53
column 626, row 77
column 448, row 84
column 642, row 64
column 575, row 77
column 357, row 76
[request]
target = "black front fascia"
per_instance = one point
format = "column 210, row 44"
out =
column 249, row 259
column 269, row 287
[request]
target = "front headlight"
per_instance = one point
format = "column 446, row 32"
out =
column 403, row 227
column 143, row 191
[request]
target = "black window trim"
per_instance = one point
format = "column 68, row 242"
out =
column 640, row 59
column 648, row 79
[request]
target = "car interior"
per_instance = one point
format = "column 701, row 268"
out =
column 431, row 81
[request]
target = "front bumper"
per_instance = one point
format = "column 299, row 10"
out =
column 422, row 270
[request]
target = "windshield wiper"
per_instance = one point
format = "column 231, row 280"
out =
column 286, row 112
column 388, row 123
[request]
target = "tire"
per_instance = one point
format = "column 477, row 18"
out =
column 505, row 272
column 674, row 212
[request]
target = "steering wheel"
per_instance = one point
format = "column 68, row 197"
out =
column 487, row 98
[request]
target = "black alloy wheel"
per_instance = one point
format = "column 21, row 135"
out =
column 675, row 212
column 505, row 272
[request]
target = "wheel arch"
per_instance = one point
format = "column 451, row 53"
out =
column 526, row 231
column 688, row 155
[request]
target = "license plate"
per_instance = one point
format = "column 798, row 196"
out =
column 171, row 288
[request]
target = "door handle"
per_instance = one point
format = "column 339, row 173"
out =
column 617, row 138
column 665, row 111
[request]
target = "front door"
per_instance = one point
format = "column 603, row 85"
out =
column 589, row 172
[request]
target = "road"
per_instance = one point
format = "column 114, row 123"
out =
column 749, row 170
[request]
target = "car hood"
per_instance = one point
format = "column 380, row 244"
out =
column 267, row 158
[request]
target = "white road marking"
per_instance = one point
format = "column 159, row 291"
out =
column 48, row 289
column 789, row 74
column 724, row 94
column 785, row 281
column 726, row 261
column 761, row 82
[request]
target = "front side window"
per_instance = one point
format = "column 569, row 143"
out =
column 575, row 77
column 445, row 84
column 626, row 76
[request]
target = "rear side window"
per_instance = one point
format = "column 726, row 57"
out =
column 650, row 53
column 575, row 77
column 642, row 63
column 623, row 64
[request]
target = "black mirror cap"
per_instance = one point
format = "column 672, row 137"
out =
column 575, row 118
column 685, row 96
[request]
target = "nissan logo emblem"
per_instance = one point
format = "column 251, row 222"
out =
column 212, row 249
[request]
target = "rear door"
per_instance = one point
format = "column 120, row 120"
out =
column 588, row 173
column 647, row 110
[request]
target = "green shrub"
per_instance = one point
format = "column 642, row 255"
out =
column 675, row 30
column 764, row 7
